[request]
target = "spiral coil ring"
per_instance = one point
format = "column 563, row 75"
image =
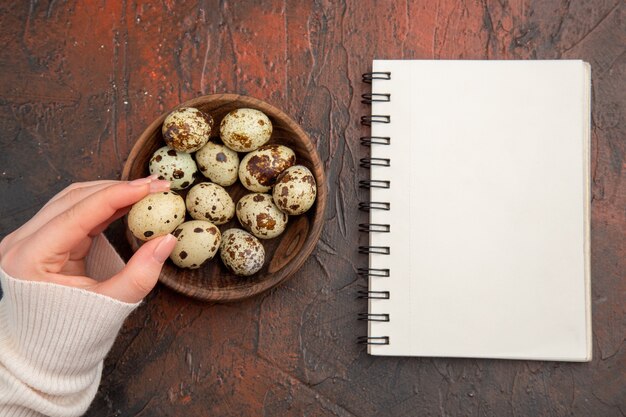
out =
column 375, row 140
column 374, row 205
column 373, row 317
column 375, row 340
column 374, row 295
column 372, row 97
column 373, row 272
column 374, row 228
column 380, row 250
column 367, row 206
column 369, row 76
column 375, row 118
column 374, row 184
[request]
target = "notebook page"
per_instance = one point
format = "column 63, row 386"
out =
column 488, row 221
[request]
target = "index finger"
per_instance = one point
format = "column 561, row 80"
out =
column 68, row 229
column 77, row 186
column 58, row 204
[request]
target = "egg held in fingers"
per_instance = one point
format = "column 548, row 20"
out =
column 198, row 242
column 156, row 215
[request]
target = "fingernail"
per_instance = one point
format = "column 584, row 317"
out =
column 154, row 177
column 141, row 181
column 160, row 185
column 164, row 248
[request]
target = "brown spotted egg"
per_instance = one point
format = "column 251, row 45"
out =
column 198, row 241
column 258, row 214
column 156, row 215
column 177, row 167
column 208, row 201
column 242, row 253
column 295, row 190
column 244, row 130
column 218, row 163
column 187, row 129
column 259, row 169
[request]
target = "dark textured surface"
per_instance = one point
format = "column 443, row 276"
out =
column 78, row 85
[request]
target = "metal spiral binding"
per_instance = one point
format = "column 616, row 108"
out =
column 373, row 317
column 369, row 76
column 374, row 295
column 381, row 250
column 375, row 140
column 374, row 228
column 368, row 162
column 374, row 184
column 375, row 118
column 372, row 97
column 374, row 205
column 367, row 206
column 373, row 272
column 373, row 340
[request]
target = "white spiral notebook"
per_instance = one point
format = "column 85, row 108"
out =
column 479, row 209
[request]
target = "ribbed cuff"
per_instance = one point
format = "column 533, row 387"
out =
column 62, row 332
column 53, row 340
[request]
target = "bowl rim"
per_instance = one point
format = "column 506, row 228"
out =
column 315, row 228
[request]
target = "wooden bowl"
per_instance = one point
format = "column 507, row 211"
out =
column 285, row 254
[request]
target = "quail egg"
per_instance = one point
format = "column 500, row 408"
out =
column 198, row 241
column 242, row 253
column 177, row 167
column 259, row 169
column 156, row 215
column 218, row 163
column 295, row 190
column 258, row 214
column 208, row 201
column 244, row 130
column 187, row 129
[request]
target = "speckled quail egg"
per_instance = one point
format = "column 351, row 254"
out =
column 177, row 167
column 258, row 214
column 244, row 130
column 259, row 169
column 187, row 129
column 208, row 201
column 295, row 190
column 242, row 253
column 218, row 163
column 198, row 241
column 156, row 215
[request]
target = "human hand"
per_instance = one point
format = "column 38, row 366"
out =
column 52, row 246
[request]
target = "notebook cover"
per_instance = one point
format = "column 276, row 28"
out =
column 489, row 209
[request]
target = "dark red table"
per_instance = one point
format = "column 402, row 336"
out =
column 79, row 83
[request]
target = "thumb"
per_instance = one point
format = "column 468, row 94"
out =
column 141, row 273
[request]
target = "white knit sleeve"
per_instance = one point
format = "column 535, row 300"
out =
column 53, row 340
